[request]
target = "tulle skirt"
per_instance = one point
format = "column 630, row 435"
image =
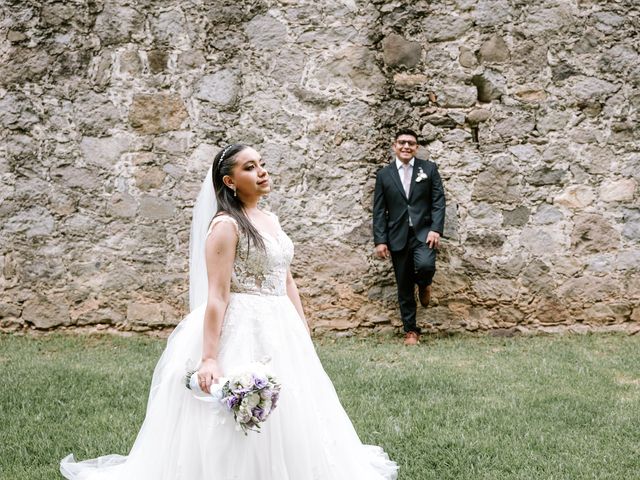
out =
column 307, row 437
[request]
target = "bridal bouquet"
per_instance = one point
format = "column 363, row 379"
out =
column 251, row 395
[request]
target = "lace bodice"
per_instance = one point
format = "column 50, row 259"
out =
column 256, row 271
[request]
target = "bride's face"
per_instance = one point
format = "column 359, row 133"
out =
column 249, row 175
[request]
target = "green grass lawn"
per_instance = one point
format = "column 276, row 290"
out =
column 564, row 407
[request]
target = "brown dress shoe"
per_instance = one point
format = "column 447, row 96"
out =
column 411, row 338
column 424, row 294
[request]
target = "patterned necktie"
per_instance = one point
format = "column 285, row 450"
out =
column 406, row 178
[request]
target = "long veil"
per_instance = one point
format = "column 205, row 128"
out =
column 203, row 211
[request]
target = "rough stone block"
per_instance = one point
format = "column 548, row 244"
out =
column 498, row 183
column 467, row 58
column 24, row 64
column 439, row 28
column 34, row 221
column 628, row 260
column 604, row 313
column 547, row 215
column 515, row 218
column 490, row 242
column 130, row 62
column 620, row 58
column 537, row 241
column 607, row 21
column 95, row 114
column 151, row 314
column 592, row 233
column 531, row 95
column 15, row 36
column 266, row 32
column 587, row 89
column 575, row 196
column 484, row 214
column 74, row 177
column 157, row 113
column 552, row 121
column 355, row 64
column 104, row 151
column 545, row 19
column 168, row 27
column 517, row 125
column 478, row 115
column 16, row 113
column 406, row 81
column 118, row 23
column 458, row 96
column 220, row 88
column 491, row 13
column 618, row 190
column 457, row 135
column 490, row 85
column 547, row 176
column 122, row 205
column 156, row 208
column 57, row 13
column 631, row 224
column 398, row 51
column 191, row 59
column 157, row 60
column 149, row 178
column 46, row 312
column 494, row 50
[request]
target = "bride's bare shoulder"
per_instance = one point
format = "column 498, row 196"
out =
column 224, row 223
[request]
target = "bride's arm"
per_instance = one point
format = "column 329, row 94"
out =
column 220, row 249
column 294, row 296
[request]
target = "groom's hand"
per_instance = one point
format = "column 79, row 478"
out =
column 382, row 251
column 433, row 239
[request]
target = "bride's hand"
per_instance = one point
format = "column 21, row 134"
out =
column 208, row 374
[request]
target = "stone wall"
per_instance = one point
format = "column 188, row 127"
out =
column 111, row 111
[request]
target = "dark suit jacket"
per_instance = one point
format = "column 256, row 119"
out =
column 392, row 208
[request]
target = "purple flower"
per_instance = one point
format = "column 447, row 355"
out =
column 250, row 397
column 232, row 402
column 259, row 382
column 240, row 391
column 274, row 399
column 258, row 413
column 266, row 393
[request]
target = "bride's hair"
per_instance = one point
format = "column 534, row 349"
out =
column 229, row 204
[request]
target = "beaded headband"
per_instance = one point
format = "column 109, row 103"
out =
column 224, row 152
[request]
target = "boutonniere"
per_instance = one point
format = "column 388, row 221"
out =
column 421, row 175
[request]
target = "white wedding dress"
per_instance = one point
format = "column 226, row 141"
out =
column 307, row 437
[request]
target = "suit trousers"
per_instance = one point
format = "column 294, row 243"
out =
column 414, row 264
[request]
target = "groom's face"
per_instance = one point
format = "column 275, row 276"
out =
column 405, row 147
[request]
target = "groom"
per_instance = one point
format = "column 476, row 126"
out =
column 408, row 219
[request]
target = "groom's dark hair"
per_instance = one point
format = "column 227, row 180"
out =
column 406, row 131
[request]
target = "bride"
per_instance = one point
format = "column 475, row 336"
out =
column 245, row 306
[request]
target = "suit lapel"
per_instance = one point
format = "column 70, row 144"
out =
column 416, row 165
column 395, row 176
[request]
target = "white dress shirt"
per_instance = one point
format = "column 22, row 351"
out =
column 407, row 186
column 400, row 167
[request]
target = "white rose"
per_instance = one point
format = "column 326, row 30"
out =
column 244, row 415
column 252, row 400
column 246, row 380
